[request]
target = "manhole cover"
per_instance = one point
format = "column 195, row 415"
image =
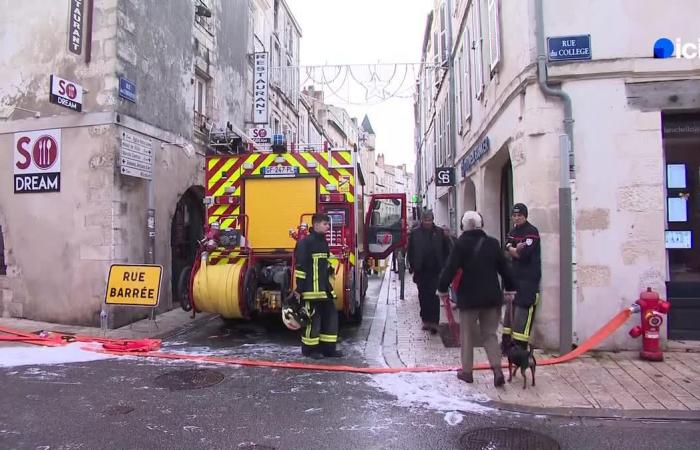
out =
column 507, row 439
column 180, row 380
column 118, row 410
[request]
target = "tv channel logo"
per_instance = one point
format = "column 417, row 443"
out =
column 666, row 48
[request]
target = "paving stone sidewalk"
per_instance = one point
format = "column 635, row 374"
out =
column 597, row 380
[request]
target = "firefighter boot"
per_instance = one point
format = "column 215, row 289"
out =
column 329, row 351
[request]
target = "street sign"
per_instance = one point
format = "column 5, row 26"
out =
column 444, row 176
column 134, row 285
column 260, row 135
column 66, row 93
column 474, row 155
column 37, row 161
column 569, row 48
column 136, row 156
column 127, row 89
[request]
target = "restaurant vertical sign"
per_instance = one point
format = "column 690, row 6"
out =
column 75, row 27
column 260, row 88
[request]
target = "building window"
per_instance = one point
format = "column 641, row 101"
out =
column 3, row 267
column 477, row 54
column 465, row 96
column 200, row 19
column 443, row 33
column 494, row 37
column 201, row 88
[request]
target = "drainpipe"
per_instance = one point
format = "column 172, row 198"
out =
column 567, row 268
column 452, row 100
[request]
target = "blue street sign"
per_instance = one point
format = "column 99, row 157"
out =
column 569, row 48
column 127, row 89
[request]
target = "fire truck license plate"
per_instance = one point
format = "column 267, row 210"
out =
column 279, row 171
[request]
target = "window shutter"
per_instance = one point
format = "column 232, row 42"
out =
column 494, row 35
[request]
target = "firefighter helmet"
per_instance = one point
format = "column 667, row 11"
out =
column 295, row 316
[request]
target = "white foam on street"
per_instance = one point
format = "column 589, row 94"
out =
column 437, row 391
column 35, row 355
column 453, row 418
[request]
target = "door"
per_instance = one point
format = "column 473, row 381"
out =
column 385, row 224
column 683, row 231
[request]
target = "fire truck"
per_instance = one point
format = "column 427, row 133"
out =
column 259, row 203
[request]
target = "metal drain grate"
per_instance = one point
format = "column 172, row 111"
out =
column 507, row 439
column 181, row 380
column 255, row 447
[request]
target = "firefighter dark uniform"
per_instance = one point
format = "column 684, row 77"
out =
column 314, row 282
column 527, row 270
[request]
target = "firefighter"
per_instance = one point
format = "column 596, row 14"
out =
column 314, row 287
column 523, row 249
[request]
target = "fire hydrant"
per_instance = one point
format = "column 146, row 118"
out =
column 652, row 309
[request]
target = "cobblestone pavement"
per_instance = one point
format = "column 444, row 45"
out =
column 597, row 380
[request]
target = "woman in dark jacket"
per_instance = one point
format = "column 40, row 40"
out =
column 479, row 295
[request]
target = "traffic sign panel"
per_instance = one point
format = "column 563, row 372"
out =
column 134, row 285
column 136, row 172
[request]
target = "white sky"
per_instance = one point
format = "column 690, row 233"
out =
column 367, row 31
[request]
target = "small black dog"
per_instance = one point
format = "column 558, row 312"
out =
column 523, row 358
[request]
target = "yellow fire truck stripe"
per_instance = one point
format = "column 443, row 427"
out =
column 295, row 163
column 323, row 171
column 269, row 159
column 216, row 177
column 351, row 258
column 213, row 162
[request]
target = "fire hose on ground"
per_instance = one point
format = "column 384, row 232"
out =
column 150, row 348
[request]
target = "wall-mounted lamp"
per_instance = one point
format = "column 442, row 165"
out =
column 37, row 114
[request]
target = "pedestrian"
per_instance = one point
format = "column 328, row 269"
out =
column 479, row 295
column 314, row 287
column 523, row 249
column 428, row 247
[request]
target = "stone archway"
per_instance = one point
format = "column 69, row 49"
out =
column 186, row 229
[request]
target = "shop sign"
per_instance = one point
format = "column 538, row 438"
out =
column 75, row 27
column 444, row 176
column 37, row 161
column 66, row 93
column 682, row 125
column 260, row 88
column 474, row 155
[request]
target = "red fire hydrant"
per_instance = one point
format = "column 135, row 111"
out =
column 652, row 309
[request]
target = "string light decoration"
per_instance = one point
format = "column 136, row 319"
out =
column 359, row 84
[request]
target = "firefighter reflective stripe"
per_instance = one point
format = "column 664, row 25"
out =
column 351, row 258
column 309, row 295
column 316, row 257
column 527, row 329
column 507, row 330
column 300, row 274
column 332, row 338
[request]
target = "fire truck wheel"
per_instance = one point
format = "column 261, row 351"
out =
column 355, row 316
column 182, row 292
column 249, row 287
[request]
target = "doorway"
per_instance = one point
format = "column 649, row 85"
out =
column 681, row 141
column 506, row 198
column 187, row 229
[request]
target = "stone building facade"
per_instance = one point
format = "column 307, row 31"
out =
column 182, row 73
column 634, row 125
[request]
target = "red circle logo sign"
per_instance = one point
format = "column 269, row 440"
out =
column 45, row 152
column 71, row 91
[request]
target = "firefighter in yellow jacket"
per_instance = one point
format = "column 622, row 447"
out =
column 314, row 288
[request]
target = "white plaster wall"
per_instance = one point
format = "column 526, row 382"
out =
column 619, row 207
column 60, row 244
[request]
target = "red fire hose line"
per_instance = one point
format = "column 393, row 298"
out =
column 141, row 348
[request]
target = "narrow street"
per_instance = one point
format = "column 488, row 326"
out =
column 133, row 402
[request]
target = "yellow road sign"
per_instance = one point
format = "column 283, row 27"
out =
column 133, row 285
